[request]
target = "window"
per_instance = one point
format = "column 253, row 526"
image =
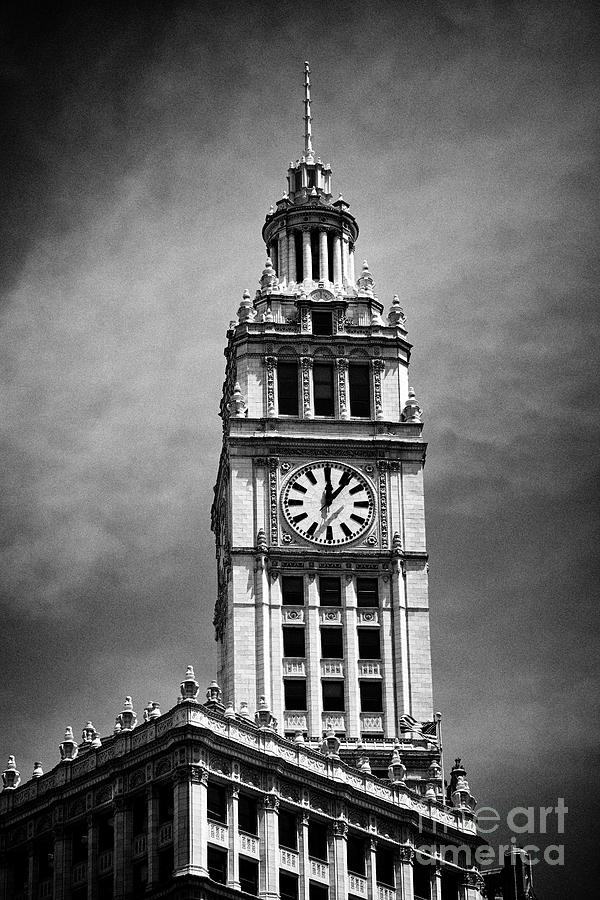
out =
column 310, row 175
column 287, row 388
column 294, row 691
column 216, row 862
column 333, row 696
column 249, row 876
column 369, row 645
column 292, row 590
column 422, row 880
column 322, row 321
column 330, row 591
column 317, row 840
column 356, row 855
column 332, row 643
column 216, row 803
column 288, row 829
column 165, row 803
column 166, row 864
column 247, row 814
column 370, row 696
column 367, row 592
column 317, row 891
column 359, row 382
column 139, row 872
column 384, row 865
column 323, row 389
column 139, row 815
column 293, row 641
column 288, row 886
column 106, row 832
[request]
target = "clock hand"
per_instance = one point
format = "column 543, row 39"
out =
column 344, row 481
column 328, row 487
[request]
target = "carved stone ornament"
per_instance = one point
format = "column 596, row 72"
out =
column 378, row 367
column 237, row 404
column 406, row 854
column 271, row 802
column 306, row 364
column 273, row 465
column 340, row 828
column 383, row 503
column 68, row 747
column 412, row 412
column 11, row 777
column 342, row 369
column 189, row 687
column 270, row 365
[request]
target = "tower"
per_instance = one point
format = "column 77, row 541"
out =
column 318, row 513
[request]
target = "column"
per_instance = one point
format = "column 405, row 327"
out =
column 189, row 824
column 269, row 840
column 337, row 259
column 387, row 659
column 345, row 258
column 92, row 862
column 343, row 398
column 306, row 254
column 233, row 862
column 274, row 254
column 340, row 858
column 282, row 255
column 291, row 256
column 313, row 661
column 31, row 891
column 351, row 658
column 304, row 859
column 351, row 275
column 62, row 863
column 306, row 365
column 323, row 258
column 271, row 385
column 152, row 801
column 399, row 603
column 372, row 870
column 404, row 873
column 436, row 882
column 472, row 886
column 122, row 859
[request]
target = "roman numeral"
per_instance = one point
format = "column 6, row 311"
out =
column 298, row 487
column 345, row 529
column 329, row 533
column 293, row 502
column 359, row 487
column 358, row 519
column 356, row 502
column 311, row 477
column 312, row 529
column 300, row 517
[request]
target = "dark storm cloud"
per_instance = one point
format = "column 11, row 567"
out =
column 141, row 151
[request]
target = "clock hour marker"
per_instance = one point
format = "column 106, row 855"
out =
column 298, row 487
column 359, row 487
column 300, row 517
column 312, row 528
column 358, row 519
column 293, row 502
column 356, row 502
column 311, row 477
column 329, row 533
column 346, row 531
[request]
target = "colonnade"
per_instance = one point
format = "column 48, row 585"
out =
column 313, row 253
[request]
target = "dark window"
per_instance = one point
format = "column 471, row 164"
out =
column 298, row 181
column 294, row 691
column 105, row 887
column 216, row 861
column 359, row 379
column 384, row 862
column 166, row 863
column 422, row 880
column 288, row 829
column 311, row 180
column 247, row 814
column 288, row 886
column 165, row 803
column 322, row 321
column 317, row 891
column 330, row 591
column 106, row 832
column 293, row 641
column 370, row 696
column 317, row 840
column 139, row 878
column 449, row 885
column 80, row 851
column 333, row 696
column 356, row 855
column 369, row 646
column 292, row 590
column 216, row 803
column 249, row 876
column 323, row 389
column 332, row 644
column 287, row 388
column 367, row 592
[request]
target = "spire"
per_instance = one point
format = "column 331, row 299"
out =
column 308, row 148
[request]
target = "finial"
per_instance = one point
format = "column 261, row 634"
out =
column 237, row 404
column 37, row 770
column 263, row 717
column 127, row 718
column 213, row 696
column 396, row 315
column 89, row 737
column 68, row 747
column 412, row 412
column 11, row 778
column 189, row 687
column 261, row 541
column 396, row 768
column 308, row 148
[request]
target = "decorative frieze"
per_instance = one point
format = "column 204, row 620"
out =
column 306, row 364
column 273, row 466
column 270, row 366
column 342, row 370
column 378, row 366
column 382, row 467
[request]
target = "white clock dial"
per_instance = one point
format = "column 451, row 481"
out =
column 328, row 503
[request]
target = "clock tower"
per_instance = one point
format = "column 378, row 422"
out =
column 322, row 616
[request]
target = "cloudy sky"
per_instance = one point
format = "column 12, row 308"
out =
column 141, row 151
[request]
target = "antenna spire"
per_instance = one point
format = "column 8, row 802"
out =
column 308, row 148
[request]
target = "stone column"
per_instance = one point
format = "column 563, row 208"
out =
column 122, row 858
column 271, row 385
column 152, row 801
column 323, row 256
column 436, row 882
column 372, row 870
column 404, row 873
column 292, row 255
column 343, row 398
column 399, row 604
column 31, row 891
column 313, row 661
column 306, row 255
column 387, row 660
column 233, row 862
column 337, row 259
column 269, row 842
column 306, row 365
column 283, row 258
column 62, row 863
column 92, row 863
column 351, row 275
column 340, row 858
column 304, row 860
column 345, row 258
column 190, row 824
column 351, row 657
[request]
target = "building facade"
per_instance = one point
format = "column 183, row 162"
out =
column 314, row 769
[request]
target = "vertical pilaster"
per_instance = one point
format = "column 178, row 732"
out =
column 264, row 674
column 323, row 256
column 61, row 862
column 372, row 870
column 401, row 673
column 31, row 891
column 343, row 398
column 306, row 364
column 436, row 882
column 152, row 801
column 313, row 660
column 269, row 840
column 404, row 873
column 340, row 858
column 292, row 256
column 306, row 254
column 378, row 367
column 345, row 258
column 387, row 663
column 92, row 862
column 337, row 259
column 271, row 385
column 304, row 885
column 190, row 825
column 282, row 254
column 351, row 275
column 233, row 861
column 122, row 857
column 351, row 657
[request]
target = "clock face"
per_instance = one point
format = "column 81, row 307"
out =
column 328, row 503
